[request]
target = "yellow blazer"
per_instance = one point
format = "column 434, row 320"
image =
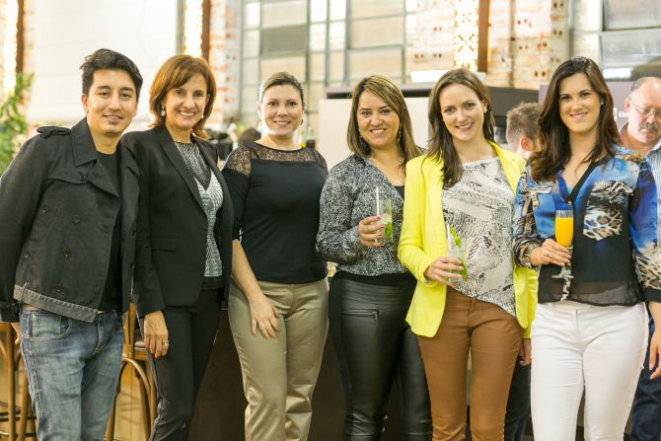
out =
column 423, row 240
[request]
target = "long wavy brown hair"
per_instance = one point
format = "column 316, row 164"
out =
column 385, row 89
column 553, row 133
column 441, row 145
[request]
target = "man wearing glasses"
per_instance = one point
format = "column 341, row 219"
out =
column 642, row 134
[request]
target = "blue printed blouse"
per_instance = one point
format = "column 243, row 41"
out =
column 615, row 257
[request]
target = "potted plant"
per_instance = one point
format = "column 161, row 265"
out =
column 13, row 124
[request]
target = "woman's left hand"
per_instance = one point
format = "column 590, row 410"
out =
column 525, row 351
column 654, row 308
column 655, row 356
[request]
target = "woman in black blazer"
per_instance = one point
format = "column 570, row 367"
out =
column 184, row 243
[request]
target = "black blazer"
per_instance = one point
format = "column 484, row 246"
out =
column 172, row 226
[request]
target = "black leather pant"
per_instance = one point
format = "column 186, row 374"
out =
column 375, row 347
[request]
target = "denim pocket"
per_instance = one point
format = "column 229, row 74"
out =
column 44, row 326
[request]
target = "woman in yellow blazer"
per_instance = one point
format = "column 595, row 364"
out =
column 464, row 189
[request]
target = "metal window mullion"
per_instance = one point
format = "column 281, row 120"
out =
column 327, row 46
column 347, row 42
column 242, row 33
column 404, row 42
column 180, row 26
column 379, row 17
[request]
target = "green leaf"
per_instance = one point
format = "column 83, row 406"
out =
column 13, row 124
column 455, row 237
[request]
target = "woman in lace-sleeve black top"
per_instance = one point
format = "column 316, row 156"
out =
column 278, row 305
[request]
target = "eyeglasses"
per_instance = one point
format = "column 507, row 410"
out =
column 646, row 111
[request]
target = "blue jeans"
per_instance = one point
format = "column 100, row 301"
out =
column 73, row 369
column 518, row 404
column 646, row 410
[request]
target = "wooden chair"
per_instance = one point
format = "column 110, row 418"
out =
column 21, row 414
column 134, row 354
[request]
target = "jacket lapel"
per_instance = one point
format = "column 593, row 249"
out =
column 227, row 215
column 434, row 185
column 510, row 167
column 170, row 149
column 129, row 188
column 84, row 152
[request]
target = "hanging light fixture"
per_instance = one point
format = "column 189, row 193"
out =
column 10, row 44
column 466, row 33
column 193, row 22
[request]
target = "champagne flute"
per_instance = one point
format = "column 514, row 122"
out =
column 564, row 234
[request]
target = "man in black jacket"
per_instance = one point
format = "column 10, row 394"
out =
column 68, row 205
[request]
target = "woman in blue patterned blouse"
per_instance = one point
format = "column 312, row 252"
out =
column 371, row 292
column 590, row 331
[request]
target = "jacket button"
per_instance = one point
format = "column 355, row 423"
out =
column 45, row 209
column 76, row 219
column 132, row 265
column 81, row 177
column 134, row 231
column 58, row 288
column 67, row 253
column 26, row 256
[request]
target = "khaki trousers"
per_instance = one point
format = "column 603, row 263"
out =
column 494, row 338
column 279, row 375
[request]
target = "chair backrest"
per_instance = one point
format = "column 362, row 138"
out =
column 128, row 350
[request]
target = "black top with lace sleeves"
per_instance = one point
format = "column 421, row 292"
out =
column 276, row 204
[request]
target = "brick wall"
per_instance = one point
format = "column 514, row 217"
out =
column 433, row 42
column 224, row 58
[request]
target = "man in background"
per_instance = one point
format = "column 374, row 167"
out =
column 642, row 134
column 522, row 138
column 522, row 127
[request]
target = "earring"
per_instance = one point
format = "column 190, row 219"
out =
column 163, row 111
column 399, row 136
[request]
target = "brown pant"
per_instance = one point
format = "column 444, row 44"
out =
column 494, row 339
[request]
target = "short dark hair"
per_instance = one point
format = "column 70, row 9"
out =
column 523, row 120
column 250, row 134
column 108, row 59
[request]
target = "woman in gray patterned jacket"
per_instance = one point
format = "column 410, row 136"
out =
column 371, row 292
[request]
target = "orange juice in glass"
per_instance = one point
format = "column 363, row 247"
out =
column 564, row 227
column 564, row 233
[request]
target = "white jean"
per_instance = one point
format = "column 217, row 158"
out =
column 577, row 347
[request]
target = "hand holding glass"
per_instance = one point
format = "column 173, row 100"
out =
column 382, row 207
column 564, row 233
column 457, row 248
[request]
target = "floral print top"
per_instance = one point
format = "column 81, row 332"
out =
column 615, row 252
